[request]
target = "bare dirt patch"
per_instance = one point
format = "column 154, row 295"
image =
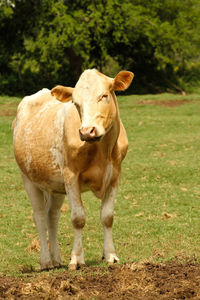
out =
column 128, row 281
column 170, row 103
column 8, row 110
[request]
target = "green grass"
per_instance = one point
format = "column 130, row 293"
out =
column 157, row 212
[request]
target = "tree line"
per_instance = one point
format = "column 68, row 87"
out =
column 49, row 42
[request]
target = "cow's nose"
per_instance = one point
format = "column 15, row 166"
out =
column 87, row 133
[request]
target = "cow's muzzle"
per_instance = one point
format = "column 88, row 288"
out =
column 89, row 134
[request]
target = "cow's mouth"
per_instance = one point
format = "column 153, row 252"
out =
column 91, row 140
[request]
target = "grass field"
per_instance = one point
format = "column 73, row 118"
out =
column 157, row 213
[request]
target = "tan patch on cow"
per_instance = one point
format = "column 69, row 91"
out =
column 78, row 222
column 108, row 221
column 38, row 144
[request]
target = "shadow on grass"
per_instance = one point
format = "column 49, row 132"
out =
column 29, row 269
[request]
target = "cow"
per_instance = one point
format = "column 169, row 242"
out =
column 67, row 141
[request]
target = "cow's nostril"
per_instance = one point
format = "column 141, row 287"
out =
column 93, row 130
column 87, row 133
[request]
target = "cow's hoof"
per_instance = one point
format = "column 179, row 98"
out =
column 46, row 267
column 81, row 266
column 58, row 266
column 112, row 259
column 73, row 267
column 57, row 263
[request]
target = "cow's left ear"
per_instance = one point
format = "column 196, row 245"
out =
column 122, row 81
column 62, row 93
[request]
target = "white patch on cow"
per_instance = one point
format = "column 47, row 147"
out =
column 45, row 107
column 89, row 119
column 89, row 86
column 86, row 94
column 56, row 158
column 38, row 116
column 77, row 212
column 107, row 210
column 28, row 161
column 108, row 174
column 56, row 147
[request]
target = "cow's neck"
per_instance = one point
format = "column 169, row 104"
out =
column 110, row 139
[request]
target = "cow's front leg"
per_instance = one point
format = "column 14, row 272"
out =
column 78, row 222
column 54, row 203
column 107, row 210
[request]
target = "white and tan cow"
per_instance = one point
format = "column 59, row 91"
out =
column 68, row 148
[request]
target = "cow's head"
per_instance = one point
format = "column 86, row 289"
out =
column 95, row 101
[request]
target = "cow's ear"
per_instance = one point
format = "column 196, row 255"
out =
column 62, row 93
column 122, row 80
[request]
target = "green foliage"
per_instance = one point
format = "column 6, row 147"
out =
column 158, row 40
column 49, row 42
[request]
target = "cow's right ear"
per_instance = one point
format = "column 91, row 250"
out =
column 62, row 93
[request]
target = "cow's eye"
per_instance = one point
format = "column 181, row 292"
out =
column 103, row 97
column 77, row 107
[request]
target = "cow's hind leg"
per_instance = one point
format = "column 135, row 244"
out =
column 38, row 202
column 54, row 203
column 107, row 210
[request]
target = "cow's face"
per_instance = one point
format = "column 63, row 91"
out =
column 95, row 101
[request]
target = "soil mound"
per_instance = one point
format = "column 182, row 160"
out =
column 128, row 281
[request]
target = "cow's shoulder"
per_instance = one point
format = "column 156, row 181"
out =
column 120, row 150
column 123, row 140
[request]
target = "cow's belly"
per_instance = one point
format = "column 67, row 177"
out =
column 42, row 165
column 43, row 176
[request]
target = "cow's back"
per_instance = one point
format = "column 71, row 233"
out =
column 38, row 136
